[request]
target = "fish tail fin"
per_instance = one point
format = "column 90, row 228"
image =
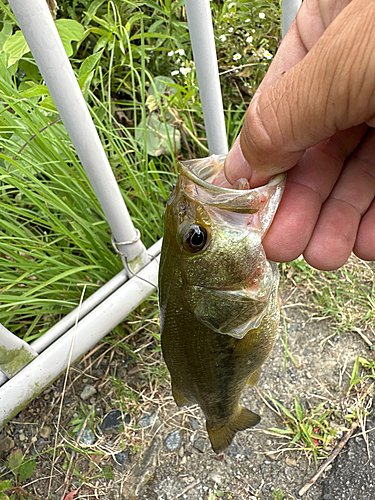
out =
column 222, row 437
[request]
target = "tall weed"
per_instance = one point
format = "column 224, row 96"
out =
column 134, row 64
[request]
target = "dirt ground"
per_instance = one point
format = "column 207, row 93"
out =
column 162, row 452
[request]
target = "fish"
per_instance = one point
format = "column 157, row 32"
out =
column 218, row 293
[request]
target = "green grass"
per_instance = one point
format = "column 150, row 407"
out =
column 309, row 429
column 278, row 495
column 345, row 296
column 54, row 237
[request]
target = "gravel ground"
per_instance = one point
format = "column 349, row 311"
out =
column 163, row 453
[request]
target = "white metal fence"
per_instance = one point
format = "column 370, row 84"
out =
column 28, row 369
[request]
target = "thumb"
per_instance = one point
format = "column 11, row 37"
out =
column 331, row 89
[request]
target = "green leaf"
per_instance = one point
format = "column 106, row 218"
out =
column 148, row 35
column 298, row 408
column 5, row 33
column 160, row 85
column 26, row 470
column 107, row 472
column 6, row 74
column 69, row 31
column 296, row 438
column 28, row 65
column 157, row 136
column 16, row 46
column 90, row 62
column 283, row 409
column 14, row 461
column 280, row 431
column 354, row 378
column 153, row 5
column 35, row 90
column 48, row 103
column 5, row 485
column 93, row 7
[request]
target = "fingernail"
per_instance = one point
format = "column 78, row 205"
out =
column 241, row 184
column 236, row 166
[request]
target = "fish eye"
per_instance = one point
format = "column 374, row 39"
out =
column 195, row 238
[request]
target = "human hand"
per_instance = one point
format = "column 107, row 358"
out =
column 312, row 115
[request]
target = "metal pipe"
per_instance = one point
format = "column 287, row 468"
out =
column 45, row 44
column 96, row 298
column 43, row 370
column 289, row 9
column 203, row 44
column 60, row 328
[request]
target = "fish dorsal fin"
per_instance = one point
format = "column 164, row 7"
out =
column 254, row 377
column 222, row 437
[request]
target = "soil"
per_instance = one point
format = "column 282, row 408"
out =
column 259, row 464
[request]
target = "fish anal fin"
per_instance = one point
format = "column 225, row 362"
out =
column 254, row 377
column 221, row 437
column 179, row 398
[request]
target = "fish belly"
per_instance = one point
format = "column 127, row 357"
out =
column 211, row 369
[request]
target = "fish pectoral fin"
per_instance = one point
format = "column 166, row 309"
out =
column 179, row 398
column 254, row 377
column 222, row 437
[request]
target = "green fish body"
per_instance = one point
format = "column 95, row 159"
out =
column 218, row 300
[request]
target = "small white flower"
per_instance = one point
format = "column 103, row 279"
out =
column 262, row 15
column 249, row 39
column 170, row 53
column 180, row 51
column 185, row 71
column 237, row 57
column 247, row 20
column 222, row 38
column 267, row 54
column 230, row 30
column 175, row 72
column 232, row 4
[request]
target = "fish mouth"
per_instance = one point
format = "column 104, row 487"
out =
column 196, row 177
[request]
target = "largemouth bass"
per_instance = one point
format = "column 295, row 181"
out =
column 218, row 300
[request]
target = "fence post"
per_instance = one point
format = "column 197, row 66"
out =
column 199, row 18
column 289, row 9
column 45, row 44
